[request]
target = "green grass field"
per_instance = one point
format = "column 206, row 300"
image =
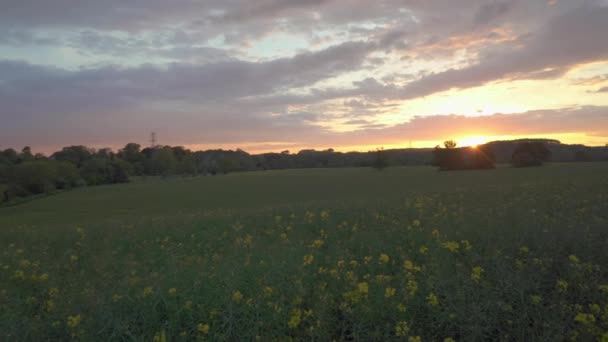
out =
column 402, row 254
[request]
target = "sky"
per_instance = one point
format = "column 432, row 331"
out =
column 274, row 75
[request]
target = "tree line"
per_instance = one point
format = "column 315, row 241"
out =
column 25, row 174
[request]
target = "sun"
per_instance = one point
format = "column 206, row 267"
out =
column 472, row 141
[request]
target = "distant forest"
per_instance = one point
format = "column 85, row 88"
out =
column 24, row 173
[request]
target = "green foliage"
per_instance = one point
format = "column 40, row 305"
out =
column 516, row 254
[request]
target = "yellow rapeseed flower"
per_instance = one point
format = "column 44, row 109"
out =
column 295, row 318
column 524, row 250
column 384, row 258
column 116, row 298
column 389, row 292
column 408, row 265
column 584, row 318
column 561, row 285
column 476, row 274
column 308, row 259
column 402, row 329
column 172, row 292
column 73, row 321
column 573, row 259
column 432, row 299
column 536, row 299
column 412, row 287
column 414, row 339
column 363, row 287
column 452, row 246
column 449, row 339
column 53, row 292
column 147, row 291
column 202, row 328
column 317, row 244
column 237, row 296
column 423, row 250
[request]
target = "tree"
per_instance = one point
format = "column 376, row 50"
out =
column 533, row 153
column 380, row 161
column 449, row 144
column 76, row 155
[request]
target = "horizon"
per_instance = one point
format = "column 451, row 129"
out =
column 280, row 75
column 473, row 142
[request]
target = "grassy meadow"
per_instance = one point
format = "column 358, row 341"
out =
column 320, row 254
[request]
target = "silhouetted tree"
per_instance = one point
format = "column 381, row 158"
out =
column 380, row 159
column 528, row 154
column 76, row 155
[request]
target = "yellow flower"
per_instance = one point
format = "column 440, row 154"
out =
column 524, row 250
column 435, row 233
column 476, row 274
column 389, row 292
column 416, row 223
column 367, row 259
column 412, row 287
column 414, row 339
column 308, row 259
column 449, row 339
column 324, row 215
column 268, row 291
column 561, row 285
column 452, row 246
column 44, row 277
column 317, row 244
column 148, row 291
column 73, row 321
column 432, row 299
column 188, row 305
column 466, row 245
column 402, row 329
column 116, row 298
column 172, row 292
column 536, row 299
column 423, row 250
column 363, row 287
column 401, row 307
column 74, row 258
column 384, row 258
column 53, row 292
column 295, row 318
column 573, row 259
column 584, row 318
column 202, row 328
column 237, row 296
column 408, row 265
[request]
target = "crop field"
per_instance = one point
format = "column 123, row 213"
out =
column 406, row 254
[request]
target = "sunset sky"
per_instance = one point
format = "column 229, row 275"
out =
column 271, row 75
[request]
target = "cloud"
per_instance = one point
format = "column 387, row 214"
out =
column 564, row 42
column 602, row 90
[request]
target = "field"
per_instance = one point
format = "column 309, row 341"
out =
column 343, row 254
